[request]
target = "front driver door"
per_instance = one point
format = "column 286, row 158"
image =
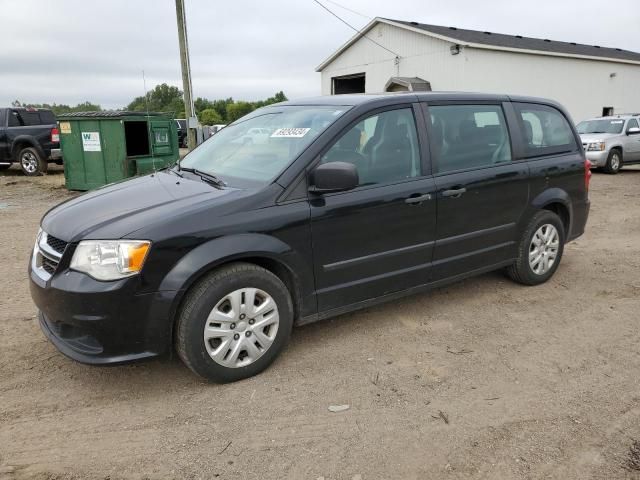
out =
column 633, row 141
column 378, row 238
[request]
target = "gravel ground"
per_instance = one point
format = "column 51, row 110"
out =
column 483, row 379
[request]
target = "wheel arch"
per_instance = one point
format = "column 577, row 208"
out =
column 620, row 149
column 24, row 142
column 265, row 251
column 557, row 201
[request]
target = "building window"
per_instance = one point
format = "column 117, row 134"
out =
column 348, row 84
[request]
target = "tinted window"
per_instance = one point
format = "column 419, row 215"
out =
column 633, row 123
column 47, row 117
column 30, row 118
column 468, row 136
column 383, row 148
column 14, row 119
column 545, row 130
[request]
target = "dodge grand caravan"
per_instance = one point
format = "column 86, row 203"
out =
column 349, row 201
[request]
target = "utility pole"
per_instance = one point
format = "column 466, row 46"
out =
column 189, row 107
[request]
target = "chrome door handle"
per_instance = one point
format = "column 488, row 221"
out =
column 418, row 199
column 454, row 192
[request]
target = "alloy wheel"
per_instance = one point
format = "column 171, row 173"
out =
column 615, row 162
column 29, row 162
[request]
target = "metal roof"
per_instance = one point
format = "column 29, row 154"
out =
column 413, row 84
column 498, row 41
column 523, row 43
column 111, row 114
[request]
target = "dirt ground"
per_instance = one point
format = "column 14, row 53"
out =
column 484, row 379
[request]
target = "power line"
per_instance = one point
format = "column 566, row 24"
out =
column 355, row 29
column 349, row 10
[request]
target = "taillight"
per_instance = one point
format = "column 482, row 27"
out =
column 587, row 173
column 55, row 135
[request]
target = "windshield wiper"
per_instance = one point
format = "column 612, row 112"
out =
column 207, row 177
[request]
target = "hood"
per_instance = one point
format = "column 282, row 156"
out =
column 116, row 210
column 597, row 137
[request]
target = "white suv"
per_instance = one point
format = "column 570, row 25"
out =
column 610, row 141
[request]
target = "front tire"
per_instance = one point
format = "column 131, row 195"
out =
column 540, row 249
column 234, row 323
column 614, row 162
column 31, row 162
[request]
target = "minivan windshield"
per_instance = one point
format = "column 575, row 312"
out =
column 601, row 126
column 255, row 149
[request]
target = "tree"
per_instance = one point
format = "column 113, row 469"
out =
column 202, row 104
column 163, row 98
column 277, row 98
column 238, row 109
column 210, row 117
column 61, row 108
column 220, row 106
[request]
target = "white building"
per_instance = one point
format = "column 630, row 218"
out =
column 392, row 55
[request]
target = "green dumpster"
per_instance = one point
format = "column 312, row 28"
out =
column 104, row 147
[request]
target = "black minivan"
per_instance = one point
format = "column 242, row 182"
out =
column 305, row 210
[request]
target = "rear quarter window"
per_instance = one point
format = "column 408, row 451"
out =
column 545, row 130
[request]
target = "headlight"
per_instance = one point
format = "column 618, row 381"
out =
column 110, row 259
column 595, row 147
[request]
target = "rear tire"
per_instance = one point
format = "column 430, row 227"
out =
column 31, row 162
column 234, row 323
column 614, row 162
column 540, row 249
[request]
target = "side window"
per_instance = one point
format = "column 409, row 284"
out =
column 468, row 136
column 14, row 119
column 30, row 118
column 545, row 130
column 633, row 123
column 383, row 148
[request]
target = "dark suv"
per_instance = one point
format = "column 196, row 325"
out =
column 349, row 201
column 30, row 137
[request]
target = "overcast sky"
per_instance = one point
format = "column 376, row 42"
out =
column 69, row 51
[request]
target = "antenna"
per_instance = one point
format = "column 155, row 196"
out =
column 146, row 101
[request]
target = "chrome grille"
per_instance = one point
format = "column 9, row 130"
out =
column 49, row 265
column 57, row 244
column 47, row 255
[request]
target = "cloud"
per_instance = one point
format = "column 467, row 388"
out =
column 74, row 50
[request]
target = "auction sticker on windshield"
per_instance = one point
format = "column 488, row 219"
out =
column 290, row 132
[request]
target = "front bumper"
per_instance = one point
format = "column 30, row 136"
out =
column 597, row 159
column 102, row 323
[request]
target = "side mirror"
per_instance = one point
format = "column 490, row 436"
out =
column 334, row 177
column 633, row 131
